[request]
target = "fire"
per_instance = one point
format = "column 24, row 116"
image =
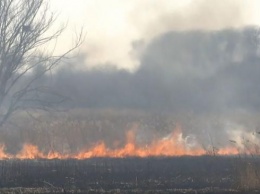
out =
column 228, row 151
column 3, row 154
column 173, row 145
column 29, row 152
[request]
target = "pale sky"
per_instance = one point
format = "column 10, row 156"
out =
column 112, row 26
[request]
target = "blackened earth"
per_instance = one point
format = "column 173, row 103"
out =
column 206, row 174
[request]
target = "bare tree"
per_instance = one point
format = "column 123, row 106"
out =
column 24, row 32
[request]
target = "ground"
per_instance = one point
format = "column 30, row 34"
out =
column 207, row 174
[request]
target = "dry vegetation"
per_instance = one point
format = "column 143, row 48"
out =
column 71, row 131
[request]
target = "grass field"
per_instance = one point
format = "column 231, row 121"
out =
column 161, row 171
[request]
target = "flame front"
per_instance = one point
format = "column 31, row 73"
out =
column 172, row 145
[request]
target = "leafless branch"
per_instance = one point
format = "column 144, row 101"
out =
column 24, row 30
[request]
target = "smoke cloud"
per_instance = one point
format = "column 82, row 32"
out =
column 206, row 81
column 198, row 71
column 195, row 66
column 113, row 25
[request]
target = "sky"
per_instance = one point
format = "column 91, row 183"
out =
column 114, row 27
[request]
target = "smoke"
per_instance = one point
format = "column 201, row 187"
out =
column 113, row 25
column 195, row 66
column 191, row 71
column 207, row 15
column 206, row 81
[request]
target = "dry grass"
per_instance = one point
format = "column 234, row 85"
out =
column 248, row 174
column 75, row 130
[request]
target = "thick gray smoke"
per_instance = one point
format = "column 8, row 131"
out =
column 206, row 81
column 198, row 71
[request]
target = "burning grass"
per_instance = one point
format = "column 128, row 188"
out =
column 107, row 150
column 82, row 134
column 173, row 145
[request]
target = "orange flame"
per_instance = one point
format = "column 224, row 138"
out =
column 173, row 145
column 3, row 154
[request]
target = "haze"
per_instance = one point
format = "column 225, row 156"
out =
column 194, row 61
column 113, row 26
